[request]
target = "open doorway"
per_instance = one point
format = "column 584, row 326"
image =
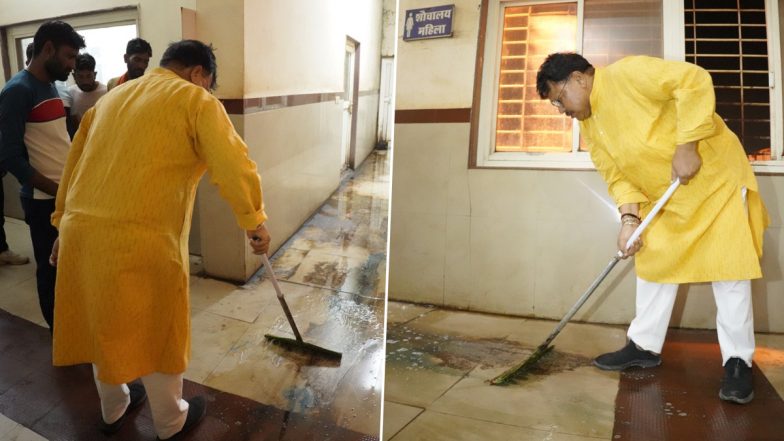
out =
column 350, row 102
column 385, row 112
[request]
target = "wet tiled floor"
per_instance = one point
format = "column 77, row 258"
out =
column 333, row 275
column 678, row 400
column 50, row 403
column 439, row 362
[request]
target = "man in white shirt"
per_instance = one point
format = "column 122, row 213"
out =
column 87, row 90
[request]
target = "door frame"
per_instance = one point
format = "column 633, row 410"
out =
column 386, row 110
column 354, row 105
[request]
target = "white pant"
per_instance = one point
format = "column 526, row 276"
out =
column 734, row 317
column 164, row 393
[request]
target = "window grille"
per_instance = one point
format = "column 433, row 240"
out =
column 729, row 39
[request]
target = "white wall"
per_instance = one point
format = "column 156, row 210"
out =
column 367, row 125
column 275, row 29
column 298, row 46
column 521, row 242
column 300, row 160
column 318, row 31
column 448, row 63
column 389, row 14
column 222, row 24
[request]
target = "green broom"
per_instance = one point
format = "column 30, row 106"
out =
column 522, row 369
column 289, row 343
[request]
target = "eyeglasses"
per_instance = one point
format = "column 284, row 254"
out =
column 557, row 101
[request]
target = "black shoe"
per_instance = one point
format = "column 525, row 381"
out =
column 138, row 395
column 197, row 408
column 627, row 357
column 736, row 385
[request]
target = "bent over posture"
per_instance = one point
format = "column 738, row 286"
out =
column 123, row 210
column 648, row 121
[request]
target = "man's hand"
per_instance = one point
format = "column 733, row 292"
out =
column 686, row 162
column 55, row 252
column 259, row 239
column 626, row 232
column 43, row 183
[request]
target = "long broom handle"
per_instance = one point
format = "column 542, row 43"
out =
column 614, row 261
column 281, row 299
column 654, row 211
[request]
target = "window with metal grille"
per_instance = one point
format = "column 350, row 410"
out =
column 729, row 39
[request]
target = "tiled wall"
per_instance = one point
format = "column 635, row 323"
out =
column 529, row 242
column 297, row 150
column 367, row 125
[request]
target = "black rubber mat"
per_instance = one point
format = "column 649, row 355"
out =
column 679, row 400
column 62, row 403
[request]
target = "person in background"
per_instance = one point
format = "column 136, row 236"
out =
column 710, row 230
column 35, row 143
column 137, row 57
column 87, row 89
column 123, row 212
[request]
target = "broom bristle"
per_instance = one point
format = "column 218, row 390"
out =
column 521, row 370
column 290, row 343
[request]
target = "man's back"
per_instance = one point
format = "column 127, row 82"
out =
column 139, row 141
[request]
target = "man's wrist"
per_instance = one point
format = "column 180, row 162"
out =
column 690, row 146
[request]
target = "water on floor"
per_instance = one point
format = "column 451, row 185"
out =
column 332, row 273
column 439, row 363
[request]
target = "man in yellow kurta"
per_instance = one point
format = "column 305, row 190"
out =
column 648, row 121
column 123, row 211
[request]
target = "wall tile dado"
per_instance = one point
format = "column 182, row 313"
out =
column 529, row 242
column 296, row 141
column 239, row 106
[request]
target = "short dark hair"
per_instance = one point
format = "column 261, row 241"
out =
column 190, row 53
column 557, row 67
column 59, row 33
column 138, row 46
column 85, row 61
column 29, row 52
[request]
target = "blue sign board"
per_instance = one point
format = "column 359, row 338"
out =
column 435, row 22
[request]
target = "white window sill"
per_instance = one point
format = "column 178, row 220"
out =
column 768, row 167
column 582, row 161
column 550, row 161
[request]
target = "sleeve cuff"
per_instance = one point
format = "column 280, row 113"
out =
column 634, row 197
column 252, row 220
column 56, row 216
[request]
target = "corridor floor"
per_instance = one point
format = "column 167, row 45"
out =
column 333, row 275
column 439, row 362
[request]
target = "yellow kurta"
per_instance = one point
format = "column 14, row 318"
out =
column 123, row 210
column 642, row 108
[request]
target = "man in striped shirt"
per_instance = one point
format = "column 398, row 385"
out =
column 34, row 145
